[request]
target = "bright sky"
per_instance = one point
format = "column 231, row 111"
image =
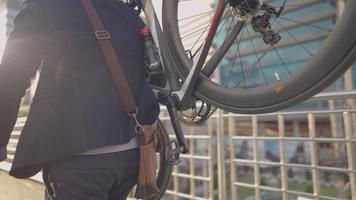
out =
column 2, row 27
column 190, row 8
column 194, row 7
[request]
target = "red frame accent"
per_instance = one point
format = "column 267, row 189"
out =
column 217, row 13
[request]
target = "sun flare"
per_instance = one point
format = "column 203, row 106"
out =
column 3, row 12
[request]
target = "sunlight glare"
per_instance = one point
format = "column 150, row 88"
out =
column 3, row 12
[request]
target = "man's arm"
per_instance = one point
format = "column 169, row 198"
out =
column 22, row 57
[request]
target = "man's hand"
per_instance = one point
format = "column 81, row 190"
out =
column 3, row 153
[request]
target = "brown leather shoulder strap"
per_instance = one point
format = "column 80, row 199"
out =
column 111, row 58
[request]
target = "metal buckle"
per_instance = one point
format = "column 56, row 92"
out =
column 102, row 35
column 138, row 125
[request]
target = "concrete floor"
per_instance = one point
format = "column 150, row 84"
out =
column 19, row 189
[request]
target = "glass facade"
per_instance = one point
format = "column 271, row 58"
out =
column 303, row 28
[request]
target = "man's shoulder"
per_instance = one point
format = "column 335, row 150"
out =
column 33, row 10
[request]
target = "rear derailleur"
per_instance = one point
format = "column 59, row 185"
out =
column 261, row 24
column 261, row 21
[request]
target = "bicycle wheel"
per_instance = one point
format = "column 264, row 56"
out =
column 164, row 169
column 263, row 60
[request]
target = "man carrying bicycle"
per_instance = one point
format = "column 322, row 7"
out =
column 77, row 129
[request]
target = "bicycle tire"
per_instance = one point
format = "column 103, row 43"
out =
column 327, row 65
column 165, row 169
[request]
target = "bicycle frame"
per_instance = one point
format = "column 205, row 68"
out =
column 175, row 95
column 164, row 95
column 184, row 93
column 157, row 34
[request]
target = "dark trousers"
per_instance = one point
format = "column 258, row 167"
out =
column 93, row 177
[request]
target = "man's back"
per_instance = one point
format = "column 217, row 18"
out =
column 76, row 106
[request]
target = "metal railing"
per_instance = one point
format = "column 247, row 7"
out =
column 285, row 155
column 282, row 164
column 197, row 167
column 329, row 133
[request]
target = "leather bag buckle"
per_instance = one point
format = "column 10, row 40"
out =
column 102, row 35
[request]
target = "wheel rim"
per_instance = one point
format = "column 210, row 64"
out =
column 164, row 169
column 280, row 91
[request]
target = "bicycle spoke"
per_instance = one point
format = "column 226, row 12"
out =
column 223, row 45
column 302, row 3
column 255, row 64
column 197, row 15
column 286, row 43
column 294, row 38
column 305, row 24
column 282, row 61
column 220, row 53
column 259, row 63
column 242, row 68
column 212, row 31
column 195, row 32
column 197, row 42
column 226, row 15
column 234, row 62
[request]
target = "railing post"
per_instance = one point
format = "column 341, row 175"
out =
column 211, row 162
column 314, row 156
column 191, row 162
column 255, row 157
column 221, row 158
column 232, row 127
column 335, row 127
column 284, row 179
column 350, row 153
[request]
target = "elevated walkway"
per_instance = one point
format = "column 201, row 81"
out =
column 17, row 189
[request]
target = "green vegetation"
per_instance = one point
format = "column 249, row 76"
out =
column 307, row 187
column 22, row 113
column 300, row 187
column 244, row 193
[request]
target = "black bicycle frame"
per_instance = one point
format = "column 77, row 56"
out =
column 175, row 95
column 184, row 92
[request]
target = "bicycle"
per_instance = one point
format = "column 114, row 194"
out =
column 264, row 25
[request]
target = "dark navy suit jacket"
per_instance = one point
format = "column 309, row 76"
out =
column 76, row 106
